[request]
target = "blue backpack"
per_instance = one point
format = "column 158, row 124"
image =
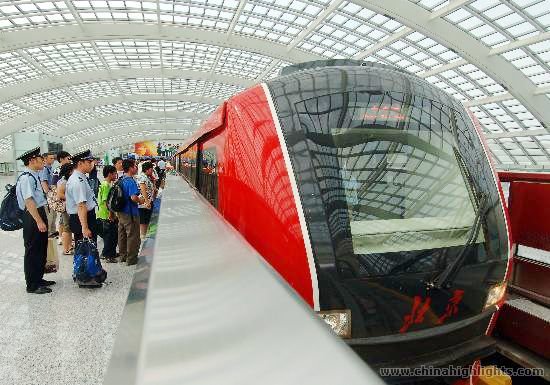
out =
column 11, row 216
column 87, row 267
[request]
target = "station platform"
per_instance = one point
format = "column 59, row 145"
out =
column 65, row 337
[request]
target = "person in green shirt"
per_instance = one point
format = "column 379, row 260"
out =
column 107, row 218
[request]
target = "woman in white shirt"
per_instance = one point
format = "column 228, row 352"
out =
column 147, row 188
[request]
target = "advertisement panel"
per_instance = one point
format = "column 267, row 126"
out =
column 152, row 148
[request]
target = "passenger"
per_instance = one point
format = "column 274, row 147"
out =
column 81, row 202
column 128, row 218
column 63, row 157
column 147, row 188
column 46, row 180
column 64, row 229
column 31, row 199
column 93, row 180
column 108, row 219
column 117, row 162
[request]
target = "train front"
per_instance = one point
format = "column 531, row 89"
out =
column 403, row 211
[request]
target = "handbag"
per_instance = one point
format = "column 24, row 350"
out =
column 52, row 258
column 53, row 202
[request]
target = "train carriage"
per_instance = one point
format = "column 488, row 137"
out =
column 371, row 192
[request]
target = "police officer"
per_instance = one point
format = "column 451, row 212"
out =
column 31, row 199
column 80, row 198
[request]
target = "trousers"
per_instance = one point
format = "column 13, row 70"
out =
column 36, row 249
column 76, row 227
column 128, row 238
column 110, row 238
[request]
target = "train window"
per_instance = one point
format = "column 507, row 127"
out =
column 402, row 184
column 391, row 178
column 208, row 179
column 188, row 164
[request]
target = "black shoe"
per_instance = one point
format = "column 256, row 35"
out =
column 46, row 283
column 39, row 290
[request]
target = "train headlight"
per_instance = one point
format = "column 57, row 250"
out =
column 495, row 294
column 338, row 320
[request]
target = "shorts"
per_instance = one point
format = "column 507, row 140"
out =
column 145, row 216
column 64, row 223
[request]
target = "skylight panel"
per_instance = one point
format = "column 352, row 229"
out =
column 432, row 4
column 233, row 61
column 520, row 29
column 87, row 91
column 199, row 57
column 496, row 12
column 457, row 16
column 48, row 99
column 9, row 111
column 509, row 20
column 58, row 58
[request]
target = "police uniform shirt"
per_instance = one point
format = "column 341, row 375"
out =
column 46, row 175
column 29, row 187
column 78, row 190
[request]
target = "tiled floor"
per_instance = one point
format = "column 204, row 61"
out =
column 64, row 337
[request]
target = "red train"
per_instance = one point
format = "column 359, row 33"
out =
column 371, row 192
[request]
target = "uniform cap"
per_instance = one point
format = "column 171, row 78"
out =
column 34, row 153
column 83, row 155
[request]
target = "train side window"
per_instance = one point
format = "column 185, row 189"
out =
column 208, row 179
column 188, row 164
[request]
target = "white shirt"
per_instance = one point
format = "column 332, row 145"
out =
column 78, row 190
column 29, row 187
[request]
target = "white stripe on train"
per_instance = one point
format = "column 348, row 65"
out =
column 297, row 200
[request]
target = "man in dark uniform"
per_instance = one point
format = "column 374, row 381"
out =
column 80, row 198
column 31, row 199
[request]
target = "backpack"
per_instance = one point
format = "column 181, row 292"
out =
column 11, row 216
column 87, row 269
column 115, row 199
column 94, row 184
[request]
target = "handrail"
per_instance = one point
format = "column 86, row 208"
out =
column 204, row 308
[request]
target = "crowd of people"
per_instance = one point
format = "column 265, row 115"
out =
column 70, row 203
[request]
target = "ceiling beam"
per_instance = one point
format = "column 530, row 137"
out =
column 99, row 148
column 83, row 128
column 383, row 43
column 471, row 49
column 443, row 68
column 176, row 131
column 489, row 99
column 23, row 121
column 449, row 8
column 516, row 134
column 322, row 16
column 19, row 90
column 32, row 37
column 520, row 43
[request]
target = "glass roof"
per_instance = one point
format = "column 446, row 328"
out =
column 80, row 69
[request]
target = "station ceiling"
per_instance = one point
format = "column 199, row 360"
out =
column 104, row 73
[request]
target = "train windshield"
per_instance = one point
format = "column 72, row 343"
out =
column 390, row 176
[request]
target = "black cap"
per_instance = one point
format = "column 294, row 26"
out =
column 34, row 153
column 84, row 155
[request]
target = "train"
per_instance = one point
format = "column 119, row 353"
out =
column 372, row 193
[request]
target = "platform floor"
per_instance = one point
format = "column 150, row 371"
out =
column 61, row 338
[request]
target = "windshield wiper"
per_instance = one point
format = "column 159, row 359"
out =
column 444, row 279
